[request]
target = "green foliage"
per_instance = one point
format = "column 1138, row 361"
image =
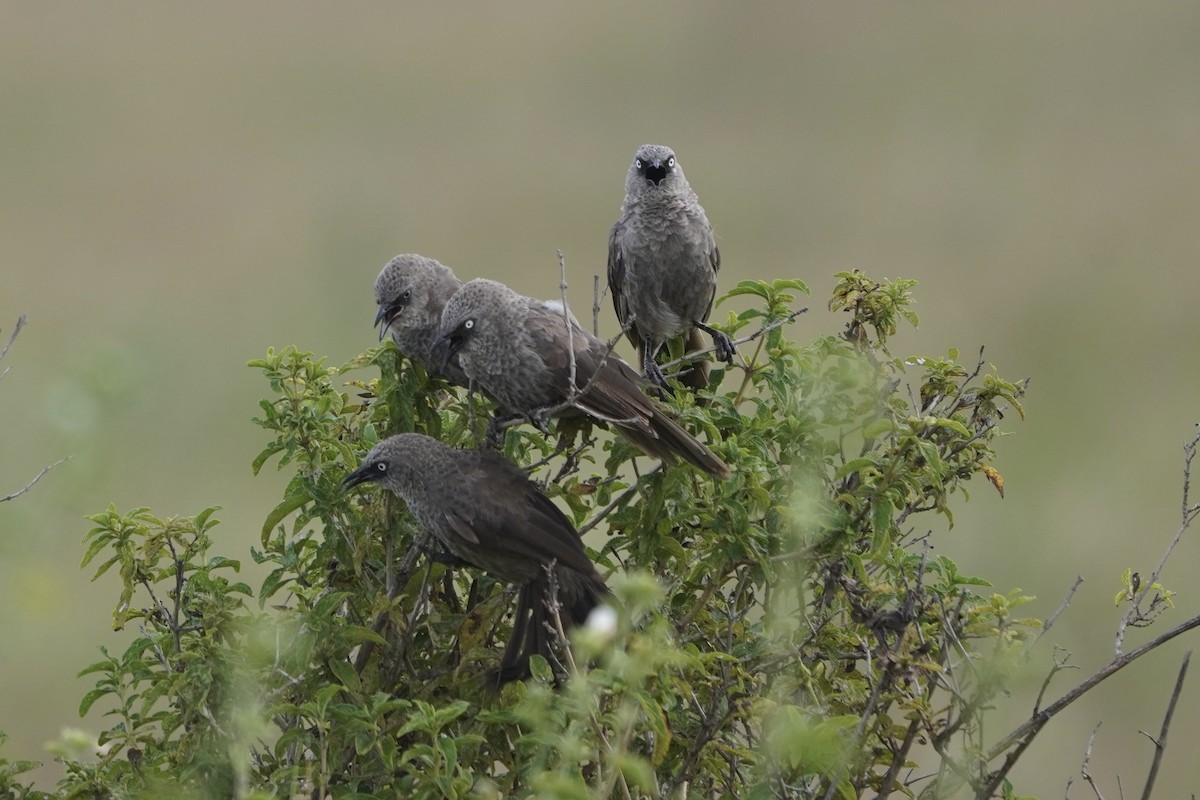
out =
column 784, row 633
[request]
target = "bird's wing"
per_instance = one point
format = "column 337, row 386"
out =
column 611, row 389
column 616, row 279
column 508, row 515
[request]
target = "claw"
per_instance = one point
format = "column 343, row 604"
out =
column 652, row 372
column 537, row 418
column 724, row 346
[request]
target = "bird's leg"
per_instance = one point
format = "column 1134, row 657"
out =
column 494, row 437
column 537, row 418
column 721, row 342
column 651, row 369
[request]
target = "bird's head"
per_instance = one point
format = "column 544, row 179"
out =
column 465, row 318
column 395, row 288
column 408, row 281
column 391, row 461
column 655, row 163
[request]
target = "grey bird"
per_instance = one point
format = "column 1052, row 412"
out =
column 662, row 264
column 484, row 511
column 521, row 352
column 411, row 291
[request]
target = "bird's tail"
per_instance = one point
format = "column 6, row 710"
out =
column 534, row 625
column 668, row 441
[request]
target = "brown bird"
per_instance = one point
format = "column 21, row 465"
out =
column 484, row 511
column 411, row 291
column 521, row 352
column 662, row 265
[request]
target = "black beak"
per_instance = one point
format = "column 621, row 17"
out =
column 443, row 349
column 656, row 173
column 360, row 475
column 386, row 314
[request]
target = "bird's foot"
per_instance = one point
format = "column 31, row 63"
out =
column 537, row 418
column 652, row 371
column 722, row 344
column 725, row 349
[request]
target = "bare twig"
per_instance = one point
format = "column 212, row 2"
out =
column 616, row 501
column 1087, row 757
column 1160, row 744
column 1187, row 516
column 36, row 478
column 562, row 288
column 1050, row 620
column 1020, row 736
column 1059, row 665
column 11, row 338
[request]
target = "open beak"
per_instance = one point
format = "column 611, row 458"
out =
column 384, row 318
column 443, row 349
column 656, row 173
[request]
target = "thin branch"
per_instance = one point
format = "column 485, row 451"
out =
column 1087, row 757
column 1050, row 620
column 1188, row 516
column 11, row 338
column 1160, row 744
column 562, row 288
column 608, row 509
column 36, row 478
column 1024, row 733
column 695, row 355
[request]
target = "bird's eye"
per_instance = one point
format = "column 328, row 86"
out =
column 469, row 324
column 637, row 162
column 671, row 161
column 381, row 467
column 407, row 294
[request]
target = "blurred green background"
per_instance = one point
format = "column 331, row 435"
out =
column 182, row 186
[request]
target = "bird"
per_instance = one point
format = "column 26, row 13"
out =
column 485, row 512
column 522, row 353
column 662, row 265
column 411, row 291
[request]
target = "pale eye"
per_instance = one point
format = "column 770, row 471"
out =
column 671, row 161
column 381, row 466
column 407, row 294
column 469, row 324
column 637, row 162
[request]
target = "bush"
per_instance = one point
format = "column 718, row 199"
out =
column 784, row 633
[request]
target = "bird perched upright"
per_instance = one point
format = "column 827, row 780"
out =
column 483, row 510
column 521, row 352
column 662, row 264
column 411, row 291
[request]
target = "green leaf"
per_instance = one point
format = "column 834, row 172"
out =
column 853, row 465
column 345, row 674
column 878, row 428
column 280, row 511
column 90, row 698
